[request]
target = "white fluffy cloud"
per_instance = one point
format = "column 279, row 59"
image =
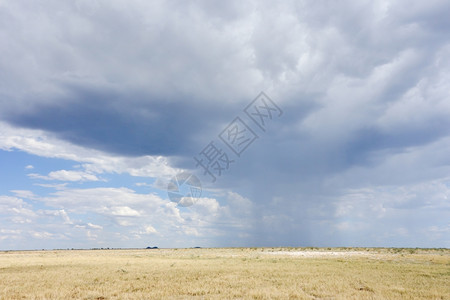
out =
column 40, row 143
column 124, row 215
column 64, row 175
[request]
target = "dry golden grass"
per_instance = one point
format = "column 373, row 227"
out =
column 269, row 273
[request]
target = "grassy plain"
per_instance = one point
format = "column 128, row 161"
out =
column 237, row 273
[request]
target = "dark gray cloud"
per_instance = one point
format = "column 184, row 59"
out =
column 130, row 124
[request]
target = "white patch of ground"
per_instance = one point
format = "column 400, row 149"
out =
column 321, row 253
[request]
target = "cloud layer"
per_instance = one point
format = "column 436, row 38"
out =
column 359, row 156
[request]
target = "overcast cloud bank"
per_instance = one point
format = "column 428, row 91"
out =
column 129, row 91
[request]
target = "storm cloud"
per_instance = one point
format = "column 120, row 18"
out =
column 359, row 156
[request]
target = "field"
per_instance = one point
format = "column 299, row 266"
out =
column 237, row 273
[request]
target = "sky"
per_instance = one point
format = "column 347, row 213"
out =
column 306, row 123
